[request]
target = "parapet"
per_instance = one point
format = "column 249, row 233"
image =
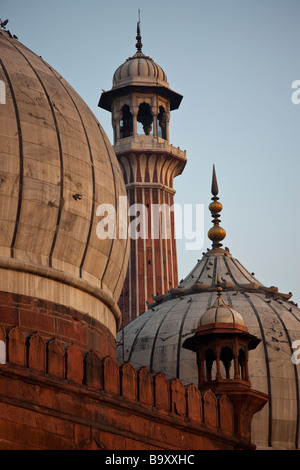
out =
column 125, row 396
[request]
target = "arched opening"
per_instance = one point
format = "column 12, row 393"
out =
column 209, row 360
column 126, row 123
column 162, row 123
column 226, row 358
column 144, row 119
column 242, row 364
column 2, row 352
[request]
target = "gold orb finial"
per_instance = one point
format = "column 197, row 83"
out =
column 219, row 288
column 216, row 234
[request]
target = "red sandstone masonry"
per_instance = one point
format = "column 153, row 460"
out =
column 74, row 364
column 194, row 412
column 54, row 320
column 55, row 359
column 36, row 353
column 226, row 415
column 145, row 388
column 2, row 334
column 87, row 369
column 178, row 398
column 16, row 349
column 128, row 381
column 93, row 371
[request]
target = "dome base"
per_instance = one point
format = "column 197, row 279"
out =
column 52, row 285
column 50, row 319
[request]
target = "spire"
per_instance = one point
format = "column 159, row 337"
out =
column 216, row 234
column 139, row 44
column 214, row 183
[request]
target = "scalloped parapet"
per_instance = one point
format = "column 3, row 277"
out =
column 153, row 397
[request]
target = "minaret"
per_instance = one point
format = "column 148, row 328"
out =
column 140, row 102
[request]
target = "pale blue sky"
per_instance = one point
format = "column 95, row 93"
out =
column 234, row 62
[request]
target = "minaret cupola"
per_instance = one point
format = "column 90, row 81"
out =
column 140, row 99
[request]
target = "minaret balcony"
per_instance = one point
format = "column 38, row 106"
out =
column 148, row 143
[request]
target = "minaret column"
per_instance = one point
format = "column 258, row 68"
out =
column 154, row 114
column 235, row 360
column 116, row 128
column 134, row 112
column 149, row 164
column 167, row 129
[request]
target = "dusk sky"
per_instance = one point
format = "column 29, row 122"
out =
column 234, row 62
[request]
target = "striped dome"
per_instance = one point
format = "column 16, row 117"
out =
column 139, row 70
column 220, row 312
column 57, row 166
column 155, row 339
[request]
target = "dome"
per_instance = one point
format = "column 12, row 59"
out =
column 57, row 167
column 155, row 338
column 140, row 73
column 220, row 312
column 139, row 70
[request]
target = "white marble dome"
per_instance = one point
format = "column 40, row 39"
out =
column 56, row 167
column 155, row 339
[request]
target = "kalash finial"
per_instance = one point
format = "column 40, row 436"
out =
column 139, row 44
column 216, row 234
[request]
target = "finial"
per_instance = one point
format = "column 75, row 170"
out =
column 219, row 288
column 139, row 44
column 214, row 183
column 216, row 234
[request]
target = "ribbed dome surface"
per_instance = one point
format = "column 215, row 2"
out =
column 155, row 339
column 139, row 69
column 56, row 167
column 220, row 312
